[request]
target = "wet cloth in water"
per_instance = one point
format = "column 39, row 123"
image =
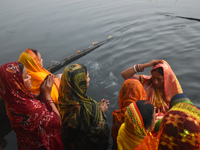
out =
column 171, row 88
column 36, row 125
column 131, row 91
column 132, row 131
column 37, row 73
column 83, row 125
column 180, row 128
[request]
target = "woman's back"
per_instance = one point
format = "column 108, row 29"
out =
column 83, row 123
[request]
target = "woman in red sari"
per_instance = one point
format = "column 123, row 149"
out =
column 36, row 121
column 131, row 91
column 160, row 87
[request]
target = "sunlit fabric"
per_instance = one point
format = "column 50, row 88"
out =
column 37, row 73
column 36, row 125
column 132, row 131
column 131, row 91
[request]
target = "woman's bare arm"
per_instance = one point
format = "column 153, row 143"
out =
column 131, row 72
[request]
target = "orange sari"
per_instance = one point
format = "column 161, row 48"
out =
column 171, row 87
column 131, row 91
column 37, row 73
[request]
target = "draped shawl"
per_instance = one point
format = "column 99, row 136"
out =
column 78, row 110
column 131, row 91
column 180, row 129
column 171, row 88
column 37, row 73
column 132, row 131
column 36, row 125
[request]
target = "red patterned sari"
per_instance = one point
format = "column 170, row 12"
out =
column 36, row 125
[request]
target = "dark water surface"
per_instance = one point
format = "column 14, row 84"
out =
column 143, row 30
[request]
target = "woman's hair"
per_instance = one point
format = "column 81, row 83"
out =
column 34, row 51
column 160, row 70
column 21, row 66
column 146, row 110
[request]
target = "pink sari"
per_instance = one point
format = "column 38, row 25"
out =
column 171, row 88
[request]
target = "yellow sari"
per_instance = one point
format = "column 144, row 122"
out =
column 37, row 73
column 132, row 131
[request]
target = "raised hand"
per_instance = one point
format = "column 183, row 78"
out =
column 153, row 62
column 46, row 86
column 104, row 105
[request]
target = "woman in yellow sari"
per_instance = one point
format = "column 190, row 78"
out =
column 160, row 87
column 179, row 130
column 139, row 120
column 32, row 60
column 131, row 91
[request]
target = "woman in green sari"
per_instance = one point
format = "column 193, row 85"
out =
column 84, row 125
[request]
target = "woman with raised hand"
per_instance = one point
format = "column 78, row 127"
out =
column 138, row 123
column 34, row 64
column 160, row 87
column 36, row 121
column 84, row 124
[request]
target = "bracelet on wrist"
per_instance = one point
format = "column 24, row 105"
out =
column 138, row 68
column 50, row 101
column 134, row 67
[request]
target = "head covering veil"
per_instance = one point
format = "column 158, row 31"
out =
column 30, row 118
column 179, row 129
column 76, row 108
column 37, row 73
column 132, row 131
column 171, row 87
column 131, row 91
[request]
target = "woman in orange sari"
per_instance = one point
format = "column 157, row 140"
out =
column 179, row 130
column 131, row 91
column 32, row 60
column 160, row 87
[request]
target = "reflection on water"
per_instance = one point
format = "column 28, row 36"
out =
column 143, row 30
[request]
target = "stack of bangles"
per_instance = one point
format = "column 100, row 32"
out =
column 50, row 101
column 138, row 68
